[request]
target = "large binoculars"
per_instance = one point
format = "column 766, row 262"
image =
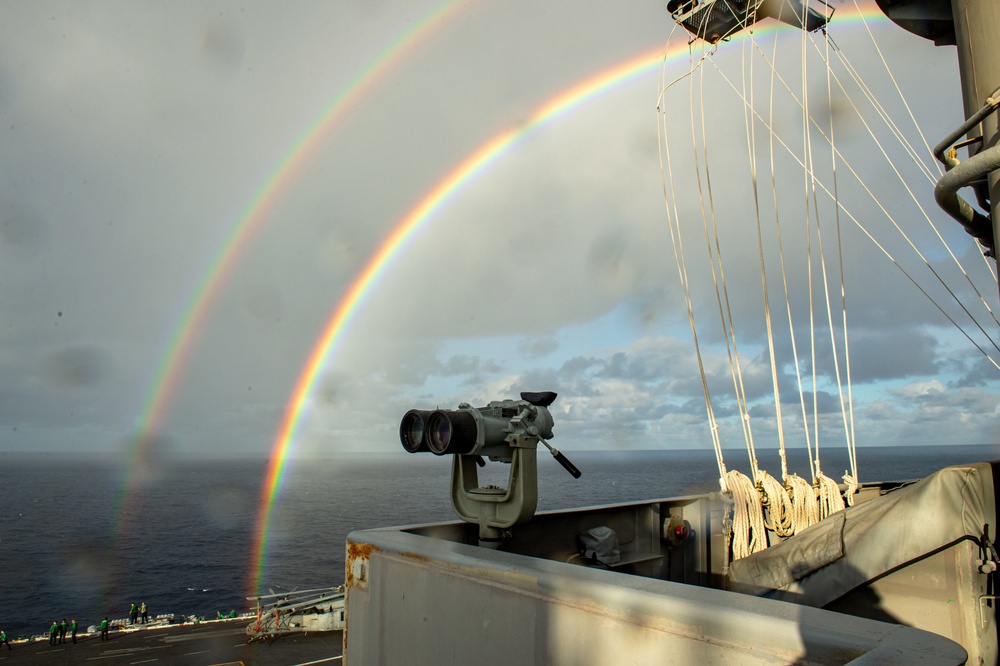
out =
column 468, row 430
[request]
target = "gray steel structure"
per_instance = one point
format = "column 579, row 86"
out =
column 973, row 26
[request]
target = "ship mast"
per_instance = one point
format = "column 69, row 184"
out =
column 977, row 25
column 972, row 26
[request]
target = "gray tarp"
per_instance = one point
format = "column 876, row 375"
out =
column 861, row 543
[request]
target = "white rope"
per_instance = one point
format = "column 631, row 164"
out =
column 780, row 512
column 748, row 534
column 763, row 503
column 862, row 227
column 804, row 502
column 927, row 218
column 852, row 487
column 892, row 78
column 673, row 219
column 852, row 453
column 719, row 280
column 830, row 499
column 902, row 181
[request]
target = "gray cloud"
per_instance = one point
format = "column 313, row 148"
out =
column 138, row 141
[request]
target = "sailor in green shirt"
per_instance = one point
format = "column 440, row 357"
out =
column 104, row 629
column 3, row 638
column 72, row 628
column 52, row 632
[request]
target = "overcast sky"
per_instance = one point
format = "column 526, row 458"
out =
column 137, row 135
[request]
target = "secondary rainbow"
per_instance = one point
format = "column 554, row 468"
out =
column 463, row 173
column 444, row 190
column 248, row 222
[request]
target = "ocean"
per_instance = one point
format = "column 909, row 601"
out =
column 183, row 543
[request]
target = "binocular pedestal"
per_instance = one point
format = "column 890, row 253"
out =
column 494, row 508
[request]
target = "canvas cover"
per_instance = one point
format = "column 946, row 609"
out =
column 599, row 544
column 861, row 543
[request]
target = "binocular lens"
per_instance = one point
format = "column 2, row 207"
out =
column 412, row 431
column 451, row 431
column 440, row 435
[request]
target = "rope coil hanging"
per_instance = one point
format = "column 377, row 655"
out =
column 762, row 505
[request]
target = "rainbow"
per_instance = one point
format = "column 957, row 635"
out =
column 439, row 195
column 273, row 187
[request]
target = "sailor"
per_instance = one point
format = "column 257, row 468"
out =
column 63, row 626
column 104, row 629
column 3, row 638
column 232, row 613
column 133, row 613
column 72, row 628
column 52, row 632
column 145, row 614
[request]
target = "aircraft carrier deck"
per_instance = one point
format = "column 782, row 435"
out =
column 212, row 643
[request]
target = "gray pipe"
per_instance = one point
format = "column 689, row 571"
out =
column 965, row 173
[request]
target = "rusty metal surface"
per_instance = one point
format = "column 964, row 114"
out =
column 428, row 601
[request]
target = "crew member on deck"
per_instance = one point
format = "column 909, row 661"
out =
column 104, row 629
column 144, row 612
column 72, row 628
column 3, row 638
column 52, row 632
column 63, row 626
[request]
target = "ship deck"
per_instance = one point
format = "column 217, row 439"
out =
column 213, row 643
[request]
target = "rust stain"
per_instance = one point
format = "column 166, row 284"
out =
column 418, row 558
column 364, row 550
column 355, row 552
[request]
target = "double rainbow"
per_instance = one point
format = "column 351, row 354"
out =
column 439, row 195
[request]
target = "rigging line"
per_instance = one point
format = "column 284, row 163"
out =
column 892, row 78
column 752, row 146
column 856, row 77
column 730, row 326
column 752, row 156
column 916, row 203
column 944, row 243
column 813, row 462
column 763, row 276
column 725, row 311
column 673, row 220
column 864, row 230
column 730, row 330
column 833, row 340
column 767, row 307
column 663, row 64
column 726, row 326
column 928, row 219
column 931, row 172
column 663, row 89
column 791, row 326
column 851, row 442
column 811, row 186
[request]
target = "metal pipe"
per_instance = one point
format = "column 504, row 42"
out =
column 992, row 102
column 965, row 173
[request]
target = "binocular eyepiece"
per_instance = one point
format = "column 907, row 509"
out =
column 475, row 431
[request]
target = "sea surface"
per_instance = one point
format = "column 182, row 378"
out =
column 73, row 546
